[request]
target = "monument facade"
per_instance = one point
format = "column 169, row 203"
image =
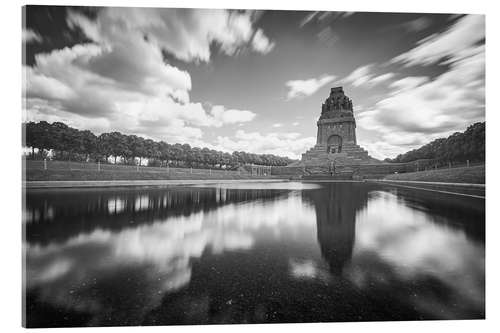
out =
column 336, row 136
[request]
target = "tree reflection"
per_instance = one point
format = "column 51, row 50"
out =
column 114, row 275
column 233, row 255
column 56, row 216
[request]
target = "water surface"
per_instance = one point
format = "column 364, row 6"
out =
column 251, row 253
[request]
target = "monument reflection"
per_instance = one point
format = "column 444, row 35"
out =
column 336, row 206
column 285, row 252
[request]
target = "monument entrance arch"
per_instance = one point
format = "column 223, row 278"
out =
column 334, row 144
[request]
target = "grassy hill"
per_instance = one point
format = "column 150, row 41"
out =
column 473, row 175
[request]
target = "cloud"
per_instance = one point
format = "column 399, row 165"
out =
column 382, row 78
column 283, row 144
column 308, row 18
column 261, row 43
column 419, row 109
column 324, row 21
column 363, row 76
column 418, row 24
column 360, row 75
column 222, row 116
column 121, row 81
column 31, row 36
column 324, row 17
column 327, row 36
column 188, row 34
column 277, row 125
column 451, row 44
column 380, row 148
column 412, row 26
column 303, row 88
column 408, row 82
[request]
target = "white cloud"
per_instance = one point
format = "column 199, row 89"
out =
column 277, row 125
column 308, row 18
column 360, row 75
column 122, row 82
column 31, row 36
column 363, row 76
column 324, row 17
column 381, row 149
column 283, row 144
column 188, row 34
column 461, row 36
column 222, row 116
column 409, row 82
column 419, row 109
column 302, row 88
column 261, row 43
column 382, row 78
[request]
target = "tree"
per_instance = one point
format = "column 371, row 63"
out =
column 88, row 144
column 458, row 147
column 31, row 135
column 70, row 143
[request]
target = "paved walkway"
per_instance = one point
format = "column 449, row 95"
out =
column 127, row 183
column 464, row 189
column 428, row 183
column 461, row 189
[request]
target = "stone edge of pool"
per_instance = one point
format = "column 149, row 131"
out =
column 472, row 190
column 462, row 189
column 131, row 183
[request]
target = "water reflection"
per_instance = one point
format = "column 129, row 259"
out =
column 421, row 252
column 150, row 258
column 71, row 213
column 256, row 253
column 336, row 208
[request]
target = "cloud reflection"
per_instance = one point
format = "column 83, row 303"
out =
column 162, row 250
column 416, row 246
column 388, row 255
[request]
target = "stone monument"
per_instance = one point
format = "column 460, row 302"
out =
column 336, row 139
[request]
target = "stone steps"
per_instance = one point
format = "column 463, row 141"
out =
column 351, row 154
column 341, row 176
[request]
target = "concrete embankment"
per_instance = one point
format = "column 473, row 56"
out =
column 136, row 183
column 464, row 189
column 472, row 190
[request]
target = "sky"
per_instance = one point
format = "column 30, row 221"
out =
column 253, row 80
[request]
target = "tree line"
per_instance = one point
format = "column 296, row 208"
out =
column 67, row 143
column 458, row 147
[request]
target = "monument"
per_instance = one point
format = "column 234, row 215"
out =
column 336, row 138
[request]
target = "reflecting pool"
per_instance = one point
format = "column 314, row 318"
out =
column 251, row 253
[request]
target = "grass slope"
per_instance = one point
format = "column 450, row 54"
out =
column 32, row 175
column 473, row 175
